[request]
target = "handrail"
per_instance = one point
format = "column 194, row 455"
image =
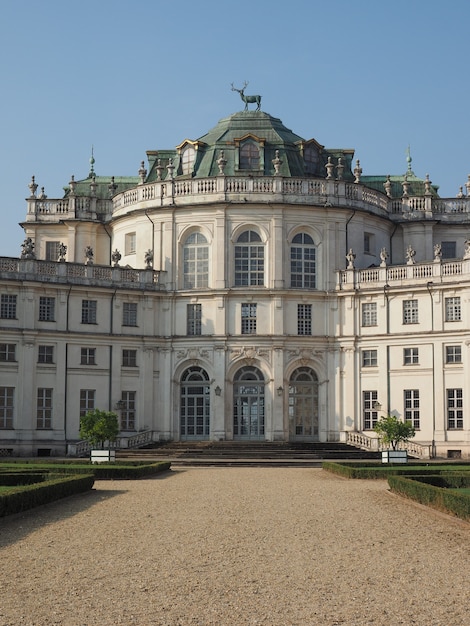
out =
column 366, row 442
column 83, row 447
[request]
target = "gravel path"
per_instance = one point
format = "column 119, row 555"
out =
column 235, row 546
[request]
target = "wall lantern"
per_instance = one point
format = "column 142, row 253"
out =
column 377, row 406
column 218, row 390
column 280, row 391
column 120, row 405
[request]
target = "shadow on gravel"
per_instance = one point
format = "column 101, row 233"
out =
column 16, row 527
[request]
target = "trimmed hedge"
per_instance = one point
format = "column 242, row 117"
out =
column 442, row 498
column 383, row 470
column 101, row 471
column 17, row 479
column 22, row 498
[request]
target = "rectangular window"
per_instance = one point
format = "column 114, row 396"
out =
column 87, row 401
column 410, row 312
column 370, row 413
column 129, row 314
column 369, row 244
column 449, row 249
column 453, row 312
column 46, row 354
column 410, row 356
column 369, row 314
column 46, row 309
column 8, row 306
column 128, row 410
column 87, row 356
column 6, row 407
column 194, row 319
column 369, row 358
column 89, row 311
column 8, row 352
column 44, row 409
column 304, row 319
column 248, row 319
column 411, row 404
column 129, row 358
column 130, row 243
column 453, row 354
column 454, row 409
column 52, row 250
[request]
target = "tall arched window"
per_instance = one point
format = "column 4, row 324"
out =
column 187, row 160
column 248, row 404
column 249, row 156
column 195, row 404
column 303, row 404
column 195, row 262
column 249, row 260
column 303, row 262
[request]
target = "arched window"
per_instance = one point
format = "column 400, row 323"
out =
column 195, row 262
column 195, row 404
column 303, row 262
column 303, row 404
column 187, row 160
column 249, row 260
column 249, row 156
column 248, row 404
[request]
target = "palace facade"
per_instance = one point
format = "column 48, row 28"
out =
column 247, row 285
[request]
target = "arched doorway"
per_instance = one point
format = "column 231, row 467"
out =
column 195, row 404
column 303, row 405
column 248, row 404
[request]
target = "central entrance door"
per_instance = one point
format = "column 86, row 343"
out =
column 195, row 404
column 303, row 405
column 248, row 404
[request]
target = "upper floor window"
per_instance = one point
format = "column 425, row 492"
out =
column 248, row 326
column 369, row 358
column 249, row 260
column 453, row 311
column 46, row 354
column 449, row 249
column 129, row 314
column 187, row 160
column 194, row 316
column 52, row 250
column 410, row 312
column 369, row 243
column 129, row 358
column 249, row 156
column 87, row 356
column 410, row 356
column 89, row 308
column 304, row 319
column 369, row 314
column 311, row 158
column 87, row 401
column 303, row 262
column 195, row 262
column 46, row 309
column 8, row 352
column 453, row 354
column 130, row 243
column 8, row 306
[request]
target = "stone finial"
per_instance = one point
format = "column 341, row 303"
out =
column 221, row 162
column 383, row 257
column 277, row 162
column 406, row 186
column 467, row 185
column 33, row 187
column 93, row 187
column 171, row 168
column 112, row 187
column 339, row 169
column 427, row 186
column 89, row 254
column 329, row 169
column 159, row 169
column 388, row 186
column 148, row 257
column 142, row 172
column 437, row 252
column 61, row 252
column 27, row 249
column 350, row 257
column 460, row 194
column 116, row 256
column 72, row 185
column 410, row 255
column 357, row 172
column 42, row 195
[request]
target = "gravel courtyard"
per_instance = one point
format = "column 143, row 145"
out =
column 234, row 546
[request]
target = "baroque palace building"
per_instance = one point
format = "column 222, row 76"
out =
column 247, row 285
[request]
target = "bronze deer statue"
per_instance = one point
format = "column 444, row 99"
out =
column 248, row 99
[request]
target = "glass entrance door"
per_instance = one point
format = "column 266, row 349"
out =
column 195, row 404
column 303, row 405
column 248, row 404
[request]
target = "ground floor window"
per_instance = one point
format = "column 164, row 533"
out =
column 303, row 403
column 411, row 404
column 195, row 404
column 87, row 401
column 44, row 408
column 6, row 406
column 248, row 404
column 129, row 410
column 454, row 409
column 369, row 408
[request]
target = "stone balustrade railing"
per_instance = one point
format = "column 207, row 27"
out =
column 372, row 444
column 142, row 438
column 245, row 188
column 77, row 273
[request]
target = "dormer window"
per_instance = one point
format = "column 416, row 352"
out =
column 311, row 160
column 249, row 156
column 187, row 160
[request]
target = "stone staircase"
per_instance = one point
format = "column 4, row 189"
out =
column 247, row 453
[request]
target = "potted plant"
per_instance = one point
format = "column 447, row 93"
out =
column 392, row 432
column 98, row 427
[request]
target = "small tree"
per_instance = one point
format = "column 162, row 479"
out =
column 393, row 431
column 99, row 426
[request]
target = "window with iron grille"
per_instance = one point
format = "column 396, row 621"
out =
column 369, row 314
column 46, row 354
column 128, row 411
column 87, row 401
column 8, row 306
column 89, row 311
column 195, row 262
column 370, row 413
column 453, row 311
column 454, row 409
column 44, row 408
column 369, row 358
column 410, row 356
column 249, row 260
column 410, row 312
column 129, row 314
column 248, row 319
column 46, row 309
column 194, row 319
column 8, row 352
column 129, row 358
column 87, row 356
column 304, row 319
column 303, row 262
column 453, row 354
column 7, row 395
column 411, row 404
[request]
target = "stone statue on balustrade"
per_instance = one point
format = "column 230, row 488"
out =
column 89, row 255
column 350, row 257
column 383, row 257
column 148, row 259
column 410, row 255
column 437, row 252
column 27, row 249
column 116, row 256
column 61, row 252
column 466, row 254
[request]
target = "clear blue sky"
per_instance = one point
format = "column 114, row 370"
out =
column 127, row 77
